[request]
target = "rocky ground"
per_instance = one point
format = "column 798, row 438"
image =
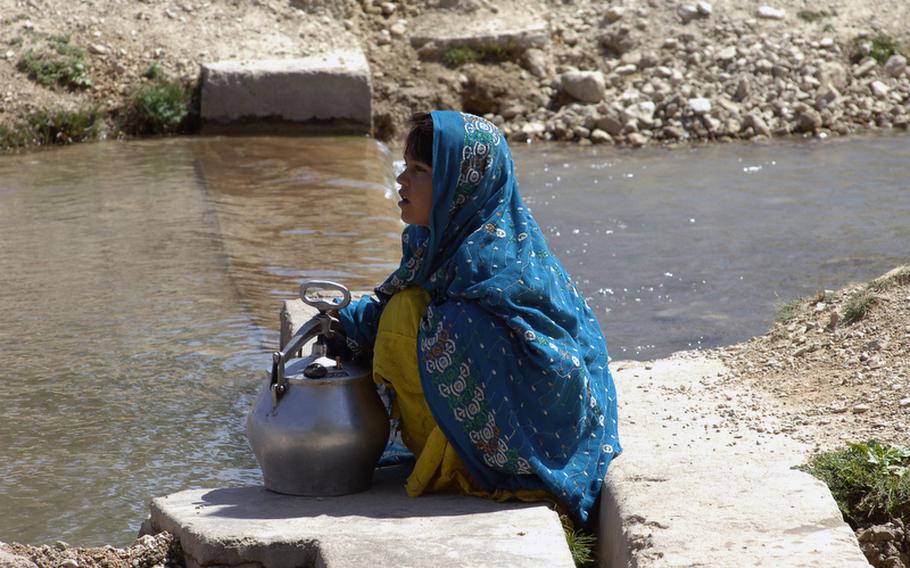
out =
column 156, row 551
column 834, row 375
column 625, row 72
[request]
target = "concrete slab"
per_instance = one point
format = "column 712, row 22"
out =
column 329, row 87
column 692, row 490
column 251, row 527
column 515, row 27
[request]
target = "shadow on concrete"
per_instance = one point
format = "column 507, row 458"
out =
column 385, row 500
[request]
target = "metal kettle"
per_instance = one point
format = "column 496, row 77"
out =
column 317, row 426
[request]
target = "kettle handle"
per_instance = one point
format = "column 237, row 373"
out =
column 323, row 305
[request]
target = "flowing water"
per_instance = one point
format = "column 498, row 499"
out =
column 140, row 283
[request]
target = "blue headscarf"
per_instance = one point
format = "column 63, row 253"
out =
column 512, row 361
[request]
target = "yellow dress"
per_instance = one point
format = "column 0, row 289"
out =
column 438, row 467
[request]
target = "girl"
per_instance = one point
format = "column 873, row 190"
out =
column 498, row 365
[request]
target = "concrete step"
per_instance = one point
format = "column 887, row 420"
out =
column 693, row 488
column 250, row 527
column 333, row 86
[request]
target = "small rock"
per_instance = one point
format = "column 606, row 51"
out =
column 904, row 403
column 584, row 86
column 599, row 136
column 61, row 545
column 826, row 43
column 810, row 121
column 743, row 89
column 864, row 68
column 860, row 408
column 895, row 65
column 757, row 123
column 705, row 9
column 687, row 12
column 399, row 28
column 614, row 14
column 726, row 55
column 99, row 49
column 674, row 133
column 536, row 62
column 626, row 69
column 700, row 105
column 610, row 124
column 636, row 139
column 879, row 89
column 384, row 37
column 9, row 54
column 769, row 13
column 388, row 8
column 69, row 563
column 8, row 560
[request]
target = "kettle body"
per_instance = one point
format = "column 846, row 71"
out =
column 317, row 426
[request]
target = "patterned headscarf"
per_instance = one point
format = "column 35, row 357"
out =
column 512, row 361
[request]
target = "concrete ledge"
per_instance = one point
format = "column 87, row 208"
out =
column 252, row 527
column 695, row 489
column 334, row 86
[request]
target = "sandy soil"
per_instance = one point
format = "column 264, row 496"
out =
column 827, row 381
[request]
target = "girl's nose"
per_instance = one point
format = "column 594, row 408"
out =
column 400, row 179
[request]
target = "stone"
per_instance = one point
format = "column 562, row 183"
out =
column 388, row 8
column 626, row 69
column 827, row 96
column 832, row 72
column 69, row 563
column 61, row 545
column 335, row 86
column 618, row 41
column 516, row 33
column 904, row 403
column 584, row 86
column 614, row 13
column 895, row 65
column 674, row 133
column 705, row 9
column 599, row 136
column 99, row 49
column 826, row 43
column 726, row 55
column 9, row 560
column 754, row 121
column 535, row 61
column 610, row 124
column 860, row 408
column 532, row 129
column 399, row 28
column 879, row 89
column 770, row 13
column 636, row 139
column 687, row 13
column 380, row 527
column 743, row 89
column 700, row 105
column 810, row 121
column 864, row 67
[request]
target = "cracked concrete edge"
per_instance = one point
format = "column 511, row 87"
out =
column 759, row 510
column 236, row 553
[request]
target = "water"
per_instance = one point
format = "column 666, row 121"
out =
column 140, row 283
column 696, row 247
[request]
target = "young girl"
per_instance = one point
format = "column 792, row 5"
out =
column 498, row 365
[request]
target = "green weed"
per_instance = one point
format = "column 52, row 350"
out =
column 880, row 48
column 153, row 72
column 57, row 63
column 48, row 128
column 163, row 107
column 789, row 310
column 858, row 306
column 581, row 543
column 869, row 481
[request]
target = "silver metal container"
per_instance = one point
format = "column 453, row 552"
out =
column 318, row 426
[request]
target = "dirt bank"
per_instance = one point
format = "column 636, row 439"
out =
column 626, row 72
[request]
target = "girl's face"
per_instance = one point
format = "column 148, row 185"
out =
column 416, row 192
